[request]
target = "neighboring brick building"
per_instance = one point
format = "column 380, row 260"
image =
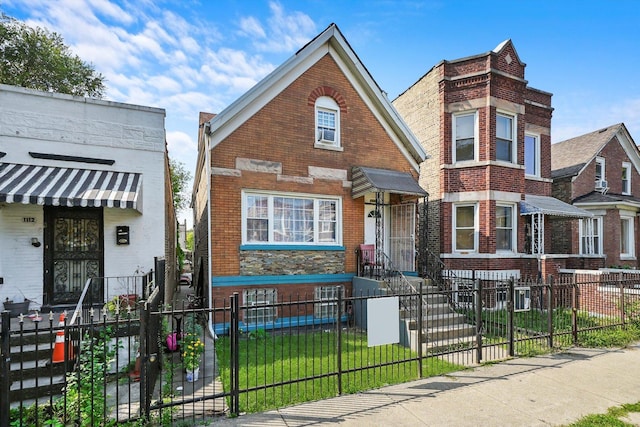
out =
column 307, row 165
column 84, row 192
column 489, row 173
column 599, row 172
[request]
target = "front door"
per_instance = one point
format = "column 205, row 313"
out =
column 402, row 239
column 73, row 253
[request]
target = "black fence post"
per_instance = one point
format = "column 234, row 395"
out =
column 622, row 308
column 145, row 403
column 574, row 312
column 5, row 368
column 339, row 338
column 479, row 324
column 420, row 328
column 234, row 362
column 510, row 310
column 550, row 310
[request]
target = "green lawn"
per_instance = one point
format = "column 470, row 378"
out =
column 308, row 363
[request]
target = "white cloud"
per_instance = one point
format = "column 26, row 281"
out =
column 286, row 32
column 250, row 27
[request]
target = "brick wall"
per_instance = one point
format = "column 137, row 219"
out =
column 281, row 136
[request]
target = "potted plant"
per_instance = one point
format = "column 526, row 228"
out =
column 192, row 349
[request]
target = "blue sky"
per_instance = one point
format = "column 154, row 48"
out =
column 190, row 56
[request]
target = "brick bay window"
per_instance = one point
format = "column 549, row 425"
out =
column 327, row 123
column 465, row 220
column 291, row 219
column 465, row 131
column 505, row 228
column 505, row 137
column 260, row 306
column 327, row 302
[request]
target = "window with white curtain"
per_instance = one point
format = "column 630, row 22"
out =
column 291, row 219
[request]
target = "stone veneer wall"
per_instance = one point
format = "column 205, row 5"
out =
column 259, row 263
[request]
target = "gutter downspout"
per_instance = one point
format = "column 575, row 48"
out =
column 206, row 131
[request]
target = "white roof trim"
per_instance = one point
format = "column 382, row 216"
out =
column 332, row 42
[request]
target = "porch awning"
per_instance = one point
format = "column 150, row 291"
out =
column 60, row 186
column 371, row 180
column 550, row 206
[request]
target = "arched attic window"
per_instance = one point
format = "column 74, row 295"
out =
column 327, row 123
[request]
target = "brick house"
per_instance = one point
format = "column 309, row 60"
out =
column 297, row 173
column 84, row 193
column 599, row 172
column 489, row 173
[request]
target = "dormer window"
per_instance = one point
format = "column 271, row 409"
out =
column 327, row 123
column 600, row 177
column 626, row 178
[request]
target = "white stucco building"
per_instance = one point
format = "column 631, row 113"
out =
column 73, row 173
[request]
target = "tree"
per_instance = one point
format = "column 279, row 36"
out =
column 38, row 59
column 180, row 177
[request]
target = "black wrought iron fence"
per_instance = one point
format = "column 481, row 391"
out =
column 273, row 354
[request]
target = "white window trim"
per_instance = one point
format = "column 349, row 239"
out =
column 629, row 217
column 476, row 227
column 454, row 117
column 514, row 136
column 317, row 229
column 599, row 249
column 514, row 229
column 536, row 172
column 627, row 166
column 328, row 104
column 603, row 176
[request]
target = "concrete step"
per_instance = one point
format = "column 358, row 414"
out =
column 449, row 332
column 438, row 320
column 439, row 308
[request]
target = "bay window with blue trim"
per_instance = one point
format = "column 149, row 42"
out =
column 291, row 219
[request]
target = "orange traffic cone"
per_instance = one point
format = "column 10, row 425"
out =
column 135, row 373
column 58, row 348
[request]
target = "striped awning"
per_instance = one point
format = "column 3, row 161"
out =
column 61, row 186
column 372, row 180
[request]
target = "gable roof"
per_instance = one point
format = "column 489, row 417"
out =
column 332, row 42
column 570, row 157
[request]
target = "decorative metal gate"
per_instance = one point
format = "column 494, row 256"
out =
column 73, row 253
column 402, row 237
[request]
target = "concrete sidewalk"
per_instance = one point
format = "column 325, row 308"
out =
column 548, row 390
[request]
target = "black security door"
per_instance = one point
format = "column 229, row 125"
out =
column 73, row 253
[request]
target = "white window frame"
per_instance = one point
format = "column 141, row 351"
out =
column 327, row 105
column 626, row 183
column 327, row 305
column 537, row 154
column 629, row 238
column 514, row 227
column 596, row 233
column 602, row 176
column 260, row 305
column 454, row 242
column 320, row 225
column 513, row 139
column 454, row 145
